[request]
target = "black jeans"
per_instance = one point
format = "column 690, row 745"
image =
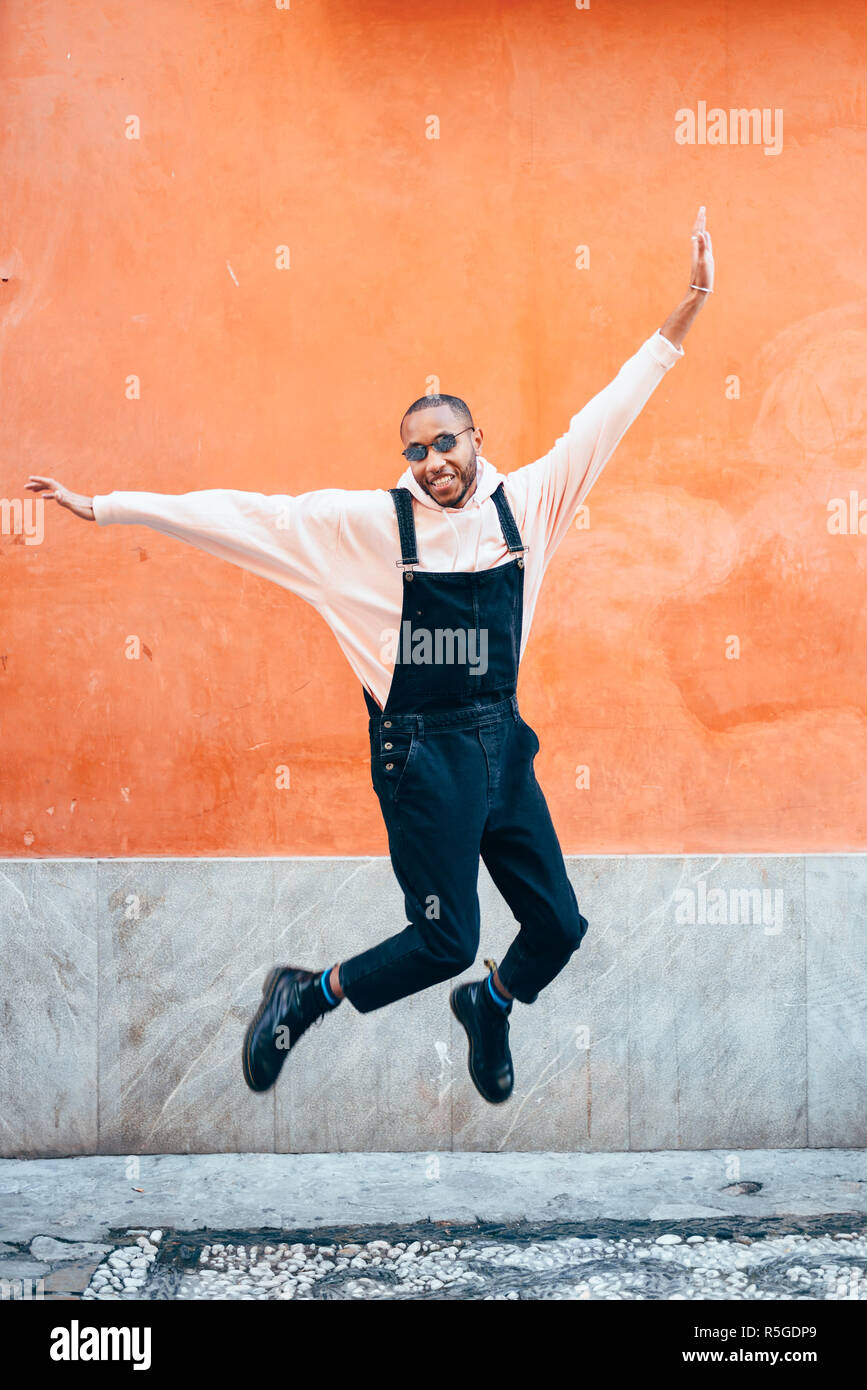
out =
column 453, row 787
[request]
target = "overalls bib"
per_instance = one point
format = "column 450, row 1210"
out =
column 452, row 766
column 474, row 615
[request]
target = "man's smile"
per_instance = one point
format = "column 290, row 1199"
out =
column 442, row 481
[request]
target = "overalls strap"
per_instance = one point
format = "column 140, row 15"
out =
column 507, row 520
column 402, row 499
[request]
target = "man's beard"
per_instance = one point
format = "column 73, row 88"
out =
column 468, row 482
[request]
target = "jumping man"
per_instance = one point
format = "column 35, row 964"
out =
column 430, row 590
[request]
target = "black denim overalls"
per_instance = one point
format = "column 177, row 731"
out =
column 452, row 765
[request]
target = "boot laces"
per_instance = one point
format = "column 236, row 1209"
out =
column 305, row 1000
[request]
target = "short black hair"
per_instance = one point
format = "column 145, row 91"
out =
column 460, row 408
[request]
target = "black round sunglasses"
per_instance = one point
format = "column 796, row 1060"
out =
column 414, row 453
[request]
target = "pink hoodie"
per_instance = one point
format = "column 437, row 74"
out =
column 337, row 548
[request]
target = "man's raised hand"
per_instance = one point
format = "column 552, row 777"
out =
column 701, row 269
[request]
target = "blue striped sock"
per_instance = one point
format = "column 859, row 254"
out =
column 324, row 986
column 495, row 995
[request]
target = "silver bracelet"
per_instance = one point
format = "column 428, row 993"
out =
column 702, row 288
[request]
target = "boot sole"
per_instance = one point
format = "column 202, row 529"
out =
column 492, row 1100
column 267, row 992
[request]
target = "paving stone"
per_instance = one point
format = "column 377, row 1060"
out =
column 22, row 1268
column 71, row 1278
column 49, row 1249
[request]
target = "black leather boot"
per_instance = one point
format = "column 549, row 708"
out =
column 291, row 1001
column 487, row 1029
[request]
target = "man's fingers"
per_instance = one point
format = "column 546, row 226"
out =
column 46, row 490
column 49, row 489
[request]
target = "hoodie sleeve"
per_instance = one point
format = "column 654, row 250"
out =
column 558, row 483
column 292, row 541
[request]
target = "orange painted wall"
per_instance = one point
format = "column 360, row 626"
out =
column 408, row 257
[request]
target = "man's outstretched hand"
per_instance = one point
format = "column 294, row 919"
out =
column 701, row 270
column 50, row 488
column 701, row 274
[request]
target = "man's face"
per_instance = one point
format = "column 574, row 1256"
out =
column 448, row 478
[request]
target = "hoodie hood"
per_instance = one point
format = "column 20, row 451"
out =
column 487, row 481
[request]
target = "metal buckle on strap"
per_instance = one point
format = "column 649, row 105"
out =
column 407, row 566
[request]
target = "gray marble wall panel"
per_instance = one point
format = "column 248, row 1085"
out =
column 48, row 1042
column 183, row 948
column 836, row 989
column 717, row 1031
column 715, row 1002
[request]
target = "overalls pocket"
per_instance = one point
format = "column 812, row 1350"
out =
column 393, row 751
